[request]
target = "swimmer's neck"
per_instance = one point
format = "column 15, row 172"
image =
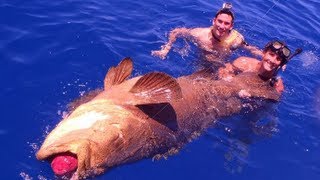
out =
column 263, row 74
column 264, row 78
column 214, row 38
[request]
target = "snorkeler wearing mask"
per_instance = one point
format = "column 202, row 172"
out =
column 276, row 55
column 215, row 42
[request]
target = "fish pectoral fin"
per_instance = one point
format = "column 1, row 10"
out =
column 156, row 87
column 116, row 75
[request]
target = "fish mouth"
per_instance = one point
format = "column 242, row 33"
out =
column 64, row 165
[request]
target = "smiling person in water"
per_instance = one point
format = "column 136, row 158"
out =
column 276, row 55
column 215, row 42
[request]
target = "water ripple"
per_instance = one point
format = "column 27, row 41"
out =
column 46, row 44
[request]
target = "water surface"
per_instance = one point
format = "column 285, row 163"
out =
column 53, row 51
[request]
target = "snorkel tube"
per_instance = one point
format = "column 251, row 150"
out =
column 274, row 79
column 296, row 52
column 226, row 5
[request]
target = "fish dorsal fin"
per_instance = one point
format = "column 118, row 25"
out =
column 156, row 87
column 116, row 75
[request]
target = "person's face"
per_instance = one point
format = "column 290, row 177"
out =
column 270, row 61
column 222, row 24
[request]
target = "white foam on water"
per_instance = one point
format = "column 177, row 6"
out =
column 309, row 59
column 34, row 146
column 25, row 176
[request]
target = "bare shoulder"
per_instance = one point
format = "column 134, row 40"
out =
column 180, row 29
column 244, row 59
column 238, row 36
column 246, row 63
column 199, row 31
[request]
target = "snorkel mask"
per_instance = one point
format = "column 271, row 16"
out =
column 282, row 50
column 226, row 5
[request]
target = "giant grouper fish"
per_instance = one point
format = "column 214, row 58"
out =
column 141, row 117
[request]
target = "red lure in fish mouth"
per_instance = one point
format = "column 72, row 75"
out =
column 64, row 164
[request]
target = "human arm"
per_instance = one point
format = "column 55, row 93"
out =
column 241, row 64
column 253, row 49
column 279, row 85
column 227, row 72
column 271, row 91
column 174, row 34
column 240, row 42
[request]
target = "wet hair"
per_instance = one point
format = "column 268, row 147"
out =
column 225, row 11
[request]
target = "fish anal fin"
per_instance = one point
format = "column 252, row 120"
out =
column 156, row 87
column 116, row 75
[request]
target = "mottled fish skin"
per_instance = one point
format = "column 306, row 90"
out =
column 137, row 118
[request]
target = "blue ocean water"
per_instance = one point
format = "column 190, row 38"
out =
column 53, row 51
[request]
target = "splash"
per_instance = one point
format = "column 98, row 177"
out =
column 25, row 176
column 82, row 87
column 63, row 114
column 309, row 59
column 184, row 51
column 40, row 177
column 34, row 146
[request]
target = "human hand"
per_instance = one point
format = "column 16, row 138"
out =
column 279, row 86
column 226, row 73
column 284, row 67
column 244, row 94
column 161, row 53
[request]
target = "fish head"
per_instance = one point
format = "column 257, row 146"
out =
column 94, row 134
column 110, row 129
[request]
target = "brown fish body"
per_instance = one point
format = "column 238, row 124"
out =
column 143, row 116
